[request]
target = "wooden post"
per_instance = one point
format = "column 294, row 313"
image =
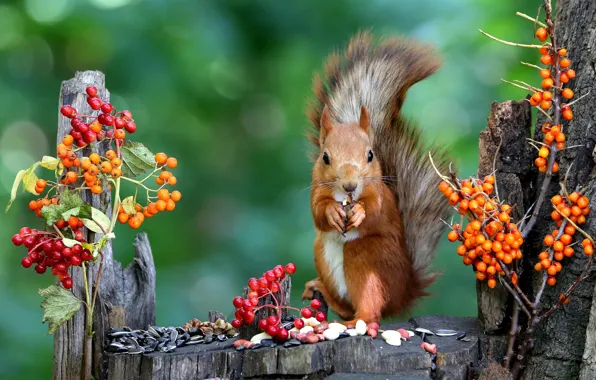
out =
column 126, row 295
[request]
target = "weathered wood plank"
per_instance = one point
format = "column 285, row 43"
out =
column 356, row 355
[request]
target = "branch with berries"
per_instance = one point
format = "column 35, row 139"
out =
column 63, row 203
column 490, row 242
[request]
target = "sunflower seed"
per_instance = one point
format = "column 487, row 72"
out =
column 443, row 332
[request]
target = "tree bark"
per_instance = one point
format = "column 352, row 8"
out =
column 561, row 339
column 126, row 295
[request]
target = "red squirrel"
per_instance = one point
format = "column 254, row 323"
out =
column 372, row 257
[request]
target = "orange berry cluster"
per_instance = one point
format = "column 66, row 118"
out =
column 576, row 208
column 36, row 205
column 489, row 238
column 552, row 135
column 543, row 99
column 166, row 201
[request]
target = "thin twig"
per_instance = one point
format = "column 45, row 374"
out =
column 529, row 89
column 509, row 43
column 578, row 99
column 532, row 65
column 530, row 18
column 516, row 296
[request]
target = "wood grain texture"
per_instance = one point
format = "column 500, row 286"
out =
column 126, row 295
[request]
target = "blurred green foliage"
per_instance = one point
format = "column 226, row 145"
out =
column 222, row 86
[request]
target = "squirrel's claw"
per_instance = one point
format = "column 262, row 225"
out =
column 357, row 215
column 335, row 217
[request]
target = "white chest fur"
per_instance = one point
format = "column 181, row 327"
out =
column 333, row 244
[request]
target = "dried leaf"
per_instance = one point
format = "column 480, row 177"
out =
column 59, row 305
column 128, row 204
column 15, row 187
column 70, row 242
column 50, row 163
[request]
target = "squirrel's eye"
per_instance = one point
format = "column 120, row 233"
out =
column 326, row 158
column 370, row 156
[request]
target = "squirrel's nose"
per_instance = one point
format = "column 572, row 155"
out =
column 350, row 187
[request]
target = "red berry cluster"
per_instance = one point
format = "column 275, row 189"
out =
column 47, row 250
column 86, row 133
column 269, row 285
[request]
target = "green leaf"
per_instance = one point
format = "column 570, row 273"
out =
column 15, row 187
column 128, row 204
column 59, row 305
column 99, row 221
column 70, row 242
column 136, row 159
column 71, row 200
column 50, row 163
column 52, row 213
column 101, row 244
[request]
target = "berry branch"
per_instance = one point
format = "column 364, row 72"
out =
column 490, row 242
column 62, row 246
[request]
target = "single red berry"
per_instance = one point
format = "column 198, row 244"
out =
column 119, row 123
column 67, row 252
column 75, row 122
column 75, row 260
column 291, row 268
column 106, row 108
column 110, row 134
column 67, row 282
column 56, row 255
column 76, row 134
column 254, row 301
column 91, row 91
column 89, row 137
column 26, row 262
column 278, row 272
column 40, row 268
column 130, row 127
column 306, row 312
column 58, row 245
column 272, row 320
column 249, row 316
column 86, row 255
column 274, row 287
column 48, row 246
column 94, row 103
column 263, row 283
column 253, row 284
column 239, row 314
column 78, row 235
column 83, row 128
column 272, row 330
column 77, row 249
column 247, row 305
column 315, row 304
column 24, row 231
column 270, row 276
column 29, row 241
column 299, row 323
column 238, row 301
column 17, row 239
column 108, row 120
column 34, row 256
column 236, row 323
column 263, row 324
column 60, row 267
column 262, row 291
column 320, row 316
column 282, row 335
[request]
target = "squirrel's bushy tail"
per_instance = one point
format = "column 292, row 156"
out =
column 378, row 77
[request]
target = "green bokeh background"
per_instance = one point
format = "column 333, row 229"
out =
column 222, row 86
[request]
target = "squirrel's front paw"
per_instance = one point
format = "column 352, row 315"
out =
column 309, row 290
column 355, row 216
column 335, row 216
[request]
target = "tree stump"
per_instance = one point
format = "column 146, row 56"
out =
column 126, row 295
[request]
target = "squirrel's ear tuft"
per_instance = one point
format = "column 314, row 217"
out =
column 364, row 119
column 326, row 124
